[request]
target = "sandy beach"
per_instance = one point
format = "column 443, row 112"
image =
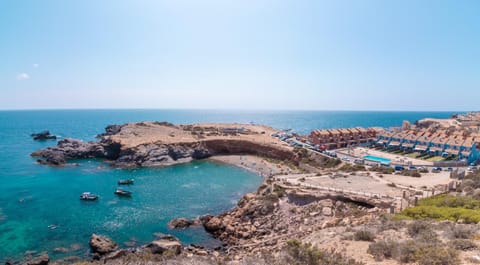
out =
column 258, row 165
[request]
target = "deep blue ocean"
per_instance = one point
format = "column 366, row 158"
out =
column 40, row 208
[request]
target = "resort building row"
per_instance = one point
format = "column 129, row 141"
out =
column 460, row 145
column 341, row 138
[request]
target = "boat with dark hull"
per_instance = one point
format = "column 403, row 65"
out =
column 125, row 182
column 124, row 193
column 87, row 196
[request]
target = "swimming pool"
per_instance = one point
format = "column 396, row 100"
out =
column 377, row 159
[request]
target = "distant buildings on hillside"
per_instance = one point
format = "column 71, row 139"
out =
column 461, row 144
column 340, row 138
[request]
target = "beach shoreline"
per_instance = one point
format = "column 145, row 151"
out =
column 255, row 164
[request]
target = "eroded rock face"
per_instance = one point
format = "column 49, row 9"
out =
column 150, row 155
column 102, row 244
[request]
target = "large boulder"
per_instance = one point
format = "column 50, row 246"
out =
column 165, row 246
column 102, row 244
column 45, row 135
column 43, row 259
column 180, row 223
column 213, row 225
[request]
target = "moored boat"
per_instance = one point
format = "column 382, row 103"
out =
column 125, row 181
column 87, row 196
column 121, row 192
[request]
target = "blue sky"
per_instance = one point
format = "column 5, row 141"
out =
column 249, row 54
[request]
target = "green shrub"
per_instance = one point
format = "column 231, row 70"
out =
column 385, row 249
column 383, row 170
column 411, row 173
column 441, row 213
column 407, row 251
column 463, row 232
column 352, row 168
column 451, row 201
column 305, row 254
column 435, row 255
column 417, row 227
column 363, row 235
column 463, row 244
column 427, row 254
column 391, row 224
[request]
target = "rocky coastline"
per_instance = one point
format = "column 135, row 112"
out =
column 263, row 221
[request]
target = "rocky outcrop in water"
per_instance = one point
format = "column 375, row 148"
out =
column 45, row 135
column 43, row 259
column 70, row 149
column 180, row 223
column 101, row 244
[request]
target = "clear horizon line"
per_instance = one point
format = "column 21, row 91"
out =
column 238, row 109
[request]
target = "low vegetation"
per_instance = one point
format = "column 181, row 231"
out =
column 411, row 173
column 445, row 207
column 425, row 247
column 463, row 244
column 315, row 160
column 352, row 168
column 364, row 235
column 304, row 254
column 383, row 170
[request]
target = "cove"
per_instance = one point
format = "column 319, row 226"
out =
column 41, row 210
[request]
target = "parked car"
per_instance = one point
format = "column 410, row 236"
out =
column 359, row 161
column 345, row 158
column 399, row 168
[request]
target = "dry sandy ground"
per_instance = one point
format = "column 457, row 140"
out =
column 445, row 123
column 428, row 180
column 134, row 134
column 370, row 182
column 331, row 238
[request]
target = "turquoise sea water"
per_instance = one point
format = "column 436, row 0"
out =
column 34, row 198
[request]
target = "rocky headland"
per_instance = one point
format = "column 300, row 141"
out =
column 148, row 144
